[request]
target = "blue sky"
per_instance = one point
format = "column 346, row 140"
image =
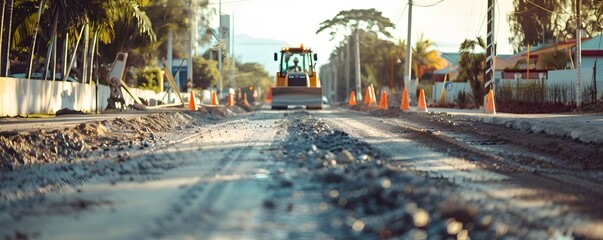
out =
column 447, row 23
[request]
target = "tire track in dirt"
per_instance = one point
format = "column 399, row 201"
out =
column 367, row 127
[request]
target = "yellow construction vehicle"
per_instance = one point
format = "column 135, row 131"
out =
column 297, row 82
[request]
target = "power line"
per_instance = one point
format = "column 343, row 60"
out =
column 234, row 1
column 429, row 4
column 401, row 14
column 482, row 24
column 541, row 7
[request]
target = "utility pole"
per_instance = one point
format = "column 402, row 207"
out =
column 578, row 53
column 189, row 53
column 232, row 54
column 490, row 48
column 2, row 31
column 347, row 67
column 220, row 45
column 408, row 62
column 170, row 38
column 357, row 67
column 333, row 93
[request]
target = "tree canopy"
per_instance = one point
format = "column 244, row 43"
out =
column 537, row 21
column 472, row 66
column 352, row 20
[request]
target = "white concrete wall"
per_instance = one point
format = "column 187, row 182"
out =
column 450, row 95
column 21, row 97
column 568, row 77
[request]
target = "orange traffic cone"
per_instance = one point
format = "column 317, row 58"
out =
column 404, row 104
column 191, row 102
column 230, row 100
column 367, row 96
column 383, row 101
column 489, row 106
column 422, row 105
column 269, row 95
column 214, row 99
column 352, row 101
column 373, row 97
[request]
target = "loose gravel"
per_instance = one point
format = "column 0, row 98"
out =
column 367, row 197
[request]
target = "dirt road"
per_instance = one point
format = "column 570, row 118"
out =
column 331, row 174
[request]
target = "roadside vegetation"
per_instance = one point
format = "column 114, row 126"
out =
column 71, row 32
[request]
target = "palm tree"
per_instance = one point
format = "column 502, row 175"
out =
column 128, row 27
column 101, row 15
column 424, row 58
column 472, row 67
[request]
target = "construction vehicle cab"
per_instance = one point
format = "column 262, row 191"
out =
column 297, row 82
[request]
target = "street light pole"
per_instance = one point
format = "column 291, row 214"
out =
column 407, row 72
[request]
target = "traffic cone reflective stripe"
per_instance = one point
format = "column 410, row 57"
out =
column 191, row 102
column 404, row 104
column 214, row 99
column 230, row 100
column 490, row 107
column 383, row 101
column 373, row 97
column 422, row 105
column 367, row 96
column 352, row 101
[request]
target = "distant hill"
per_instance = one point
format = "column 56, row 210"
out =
column 250, row 49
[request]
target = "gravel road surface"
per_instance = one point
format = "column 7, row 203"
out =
column 338, row 173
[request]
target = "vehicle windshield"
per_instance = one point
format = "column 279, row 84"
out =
column 304, row 62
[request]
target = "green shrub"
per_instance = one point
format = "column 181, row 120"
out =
column 462, row 99
column 150, row 78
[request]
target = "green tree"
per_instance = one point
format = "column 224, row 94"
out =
column 130, row 29
column 350, row 22
column 531, row 24
column 472, row 66
column 369, row 20
column 206, row 72
column 377, row 58
column 150, row 78
column 101, row 16
column 425, row 58
column 536, row 21
column 253, row 74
